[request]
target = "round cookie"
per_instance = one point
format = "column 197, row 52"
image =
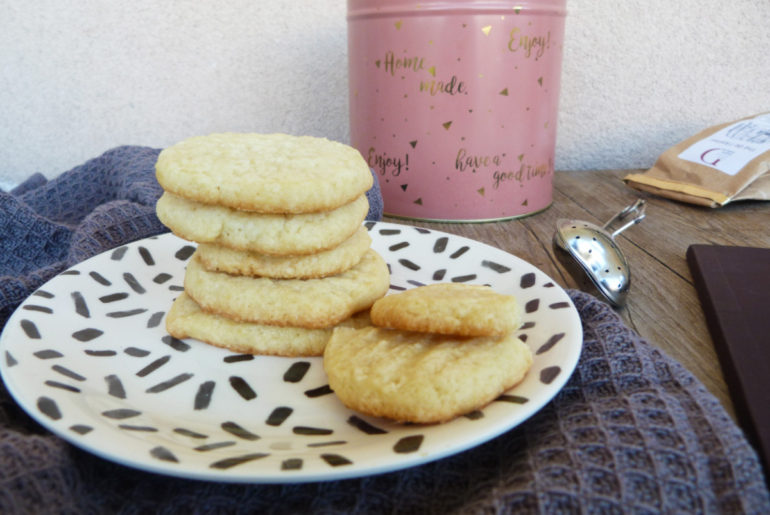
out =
column 217, row 258
column 186, row 319
column 263, row 233
column 309, row 303
column 420, row 377
column 267, row 173
column 449, row 308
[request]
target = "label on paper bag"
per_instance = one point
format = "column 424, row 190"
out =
column 730, row 149
column 720, row 164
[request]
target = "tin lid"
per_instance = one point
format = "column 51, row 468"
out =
column 376, row 8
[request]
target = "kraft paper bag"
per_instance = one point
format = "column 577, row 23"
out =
column 721, row 164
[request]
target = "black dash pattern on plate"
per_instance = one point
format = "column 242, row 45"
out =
column 161, row 278
column 121, row 413
column 514, row 399
column 291, row 464
column 239, row 431
column 62, row 386
column 336, row 460
column 96, row 276
column 237, row 460
column 87, row 334
column 136, row 352
column 115, row 386
column 214, row 446
column 184, row 253
column 296, row 372
column 113, row 297
column 48, row 407
column 39, row 309
column 319, row 392
column 126, row 313
column 237, row 358
column 175, row 343
column 459, row 252
column 548, row 345
column 30, row 329
column 163, row 454
column 243, row 388
column 146, row 256
column 203, row 395
column 527, row 280
column 495, row 267
column 278, row 416
column 548, row 374
column 411, row 265
column 48, row 354
column 133, row 283
column 408, row 444
column 118, row 253
column 66, row 372
column 165, row 385
column 152, row 367
column 364, row 426
column 155, row 319
column 311, row 431
column 100, row 353
column 190, row 433
column 81, row 307
column 439, row 245
column 532, row 306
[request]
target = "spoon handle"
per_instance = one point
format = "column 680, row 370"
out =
column 637, row 207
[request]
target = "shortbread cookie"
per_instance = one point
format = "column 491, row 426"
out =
column 267, row 173
column 263, row 233
column 186, row 319
column 420, row 377
column 309, row 303
column 217, row 258
column 449, row 308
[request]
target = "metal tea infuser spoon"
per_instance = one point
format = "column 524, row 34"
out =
column 593, row 250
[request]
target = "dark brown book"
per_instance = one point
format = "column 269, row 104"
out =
column 733, row 285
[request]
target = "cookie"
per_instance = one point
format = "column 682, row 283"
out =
column 217, row 258
column 309, row 303
column 267, row 173
column 421, row 377
column 449, row 308
column 257, row 232
column 186, row 319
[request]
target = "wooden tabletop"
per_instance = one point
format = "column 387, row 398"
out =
column 662, row 306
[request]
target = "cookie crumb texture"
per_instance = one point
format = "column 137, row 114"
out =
column 278, row 234
column 419, row 377
column 449, row 308
column 309, row 303
column 267, row 173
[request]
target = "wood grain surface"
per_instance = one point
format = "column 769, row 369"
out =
column 662, row 306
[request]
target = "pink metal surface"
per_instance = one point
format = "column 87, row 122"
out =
column 454, row 104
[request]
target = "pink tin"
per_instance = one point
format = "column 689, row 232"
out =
column 454, row 103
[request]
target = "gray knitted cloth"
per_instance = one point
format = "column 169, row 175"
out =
column 632, row 431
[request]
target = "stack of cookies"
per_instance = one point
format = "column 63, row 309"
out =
column 282, row 255
column 430, row 354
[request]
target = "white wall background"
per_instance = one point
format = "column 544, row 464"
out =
column 79, row 77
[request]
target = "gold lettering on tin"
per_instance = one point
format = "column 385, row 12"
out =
column 453, row 86
column 392, row 64
column 529, row 44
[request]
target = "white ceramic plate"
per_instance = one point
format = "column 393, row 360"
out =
column 87, row 356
